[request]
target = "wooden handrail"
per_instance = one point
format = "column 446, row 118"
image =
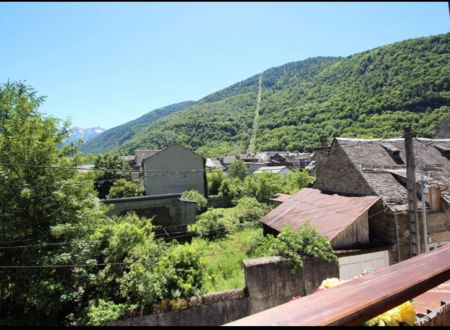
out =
column 359, row 300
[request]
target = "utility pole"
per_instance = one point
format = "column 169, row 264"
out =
column 412, row 193
column 424, row 189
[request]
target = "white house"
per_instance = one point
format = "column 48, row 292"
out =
column 280, row 170
column 173, row 171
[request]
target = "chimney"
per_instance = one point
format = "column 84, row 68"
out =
column 434, row 198
column 323, row 141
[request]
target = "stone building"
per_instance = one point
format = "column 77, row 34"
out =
column 173, row 171
column 443, row 129
column 356, row 167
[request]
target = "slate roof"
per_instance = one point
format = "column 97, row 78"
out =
column 142, row 154
column 329, row 214
column 375, row 161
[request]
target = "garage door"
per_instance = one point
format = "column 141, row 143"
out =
column 352, row 266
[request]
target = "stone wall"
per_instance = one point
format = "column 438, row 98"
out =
column 216, row 201
column 443, row 129
column 269, row 282
column 336, row 173
column 168, row 210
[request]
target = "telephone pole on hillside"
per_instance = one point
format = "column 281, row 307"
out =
column 412, row 193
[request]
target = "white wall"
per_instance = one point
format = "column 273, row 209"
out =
column 158, row 181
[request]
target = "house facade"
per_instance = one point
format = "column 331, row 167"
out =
column 443, row 129
column 173, row 171
column 356, row 167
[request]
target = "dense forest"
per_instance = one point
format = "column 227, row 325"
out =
column 372, row 94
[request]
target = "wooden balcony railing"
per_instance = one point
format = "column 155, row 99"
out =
column 359, row 300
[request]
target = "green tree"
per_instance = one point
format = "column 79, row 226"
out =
column 231, row 189
column 213, row 225
column 237, row 170
column 123, row 188
column 297, row 180
column 263, row 186
column 110, row 167
column 250, row 211
column 214, row 180
column 40, row 190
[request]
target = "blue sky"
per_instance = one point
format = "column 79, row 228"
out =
column 103, row 64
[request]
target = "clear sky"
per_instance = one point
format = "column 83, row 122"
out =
column 103, row 64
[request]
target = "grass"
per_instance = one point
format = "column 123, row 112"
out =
column 224, row 259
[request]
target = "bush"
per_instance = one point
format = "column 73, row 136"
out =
column 297, row 180
column 123, row 188
column 101, row 312
column 306, row 242
column 249, row 210
column 263, row 186
column 194, row 195
column 184, row 271
column 231, row 189
column 213, row 225
column 214, row 182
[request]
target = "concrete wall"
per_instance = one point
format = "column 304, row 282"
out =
column 209, row 310
column 216, row 201
column 159, row 176
column 269, row 282
column 168, row 210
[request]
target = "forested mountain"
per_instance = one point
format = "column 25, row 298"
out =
column 368, row 95
column 112, row 138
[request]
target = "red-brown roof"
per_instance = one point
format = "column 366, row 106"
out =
column 329, row 214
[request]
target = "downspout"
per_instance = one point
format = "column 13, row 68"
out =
column 396, row 236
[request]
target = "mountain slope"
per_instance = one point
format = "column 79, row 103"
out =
column 112, row 138
column 370, row 94
column 83, row 133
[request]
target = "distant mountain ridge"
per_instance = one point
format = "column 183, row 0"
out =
column 372, row 94
column 112, row 138
column 83, row 133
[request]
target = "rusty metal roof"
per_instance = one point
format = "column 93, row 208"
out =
column 329, row 214
column 280, row 197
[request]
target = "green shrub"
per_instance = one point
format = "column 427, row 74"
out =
column 214, row 181
column 297, row 180
column 306, row 242
column 101, row 312
column 194, row 195
column 262, row 186
column 249, row 210
column 123, row 188
column 231, row 189
column 184, row 271
column 213, row 225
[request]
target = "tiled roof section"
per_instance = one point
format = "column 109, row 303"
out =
column 142, row 154
column 373, row 159
column 329, row 214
